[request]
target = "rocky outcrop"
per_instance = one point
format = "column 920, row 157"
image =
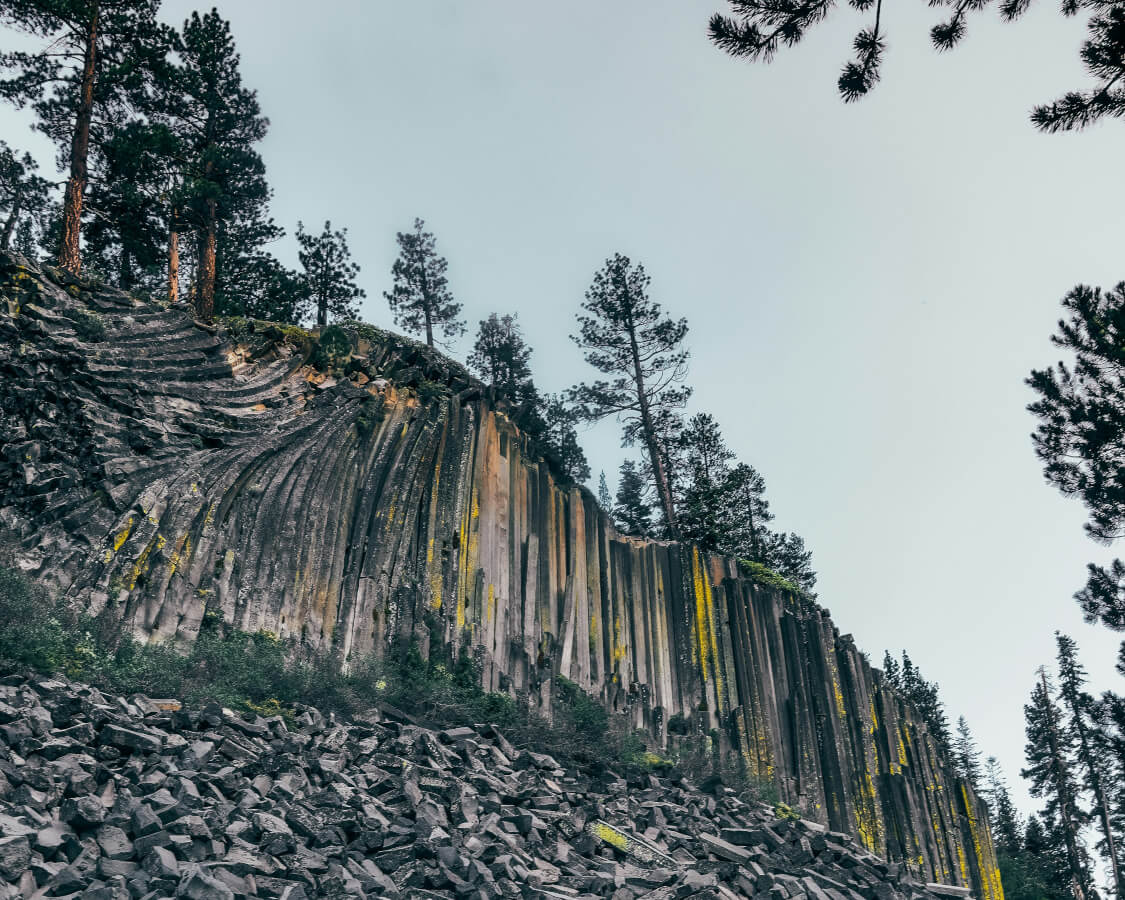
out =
column 153, row 470
column 115, row 798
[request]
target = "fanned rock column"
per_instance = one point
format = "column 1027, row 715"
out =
column 154, row 471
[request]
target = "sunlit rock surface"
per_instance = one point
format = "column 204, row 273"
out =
column 153, row 470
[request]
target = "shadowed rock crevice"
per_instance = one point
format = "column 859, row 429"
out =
column 152, row 470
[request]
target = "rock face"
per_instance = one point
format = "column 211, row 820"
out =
column 206, row 804
column 152, row 470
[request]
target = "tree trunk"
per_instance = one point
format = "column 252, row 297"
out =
column 174, row 258
column 125, row 271
column 322, row 312
column 1066, row 802
column 205, row 291
column 662, row 487
column 69, row 243
column 13, row 217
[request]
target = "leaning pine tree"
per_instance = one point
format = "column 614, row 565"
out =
column 420, row 298
column 626, row 336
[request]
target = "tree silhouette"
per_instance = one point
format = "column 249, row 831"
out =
column 420, row 299
column 329, row 273
column 626, row 336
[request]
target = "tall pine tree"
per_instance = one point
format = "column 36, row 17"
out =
column 626, row 336
column 704, row 501
column 97, row 58
column 1079, row 718
column 420, row 298
column 218, row 121
column 1049, row 752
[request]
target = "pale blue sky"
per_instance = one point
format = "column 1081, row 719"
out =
column 867, row 285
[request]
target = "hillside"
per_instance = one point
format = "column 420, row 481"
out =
column 361, row 497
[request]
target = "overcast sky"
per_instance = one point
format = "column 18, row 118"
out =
column 867, row 285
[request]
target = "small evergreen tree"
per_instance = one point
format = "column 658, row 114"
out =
column 23, row 194
column 1003, row 816
column 605, row 501
column 787, row 555
column 892, row 670
column 97, row 57
column 329, row 273
column 966, row 756
column 705, row 498
column 747, row 535
column 1042, row 872
column 420, row 298
column 925, row 698
column 1049, row 753
column 626, row 336
column 632, row 512
column 559, row 439
column 502, row 357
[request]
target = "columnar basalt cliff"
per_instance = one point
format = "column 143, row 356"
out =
column 153, row 470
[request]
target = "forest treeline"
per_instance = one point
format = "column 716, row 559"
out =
column 166, row 194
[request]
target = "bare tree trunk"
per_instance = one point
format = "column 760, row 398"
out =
column 69, row 243
column 174, row 258
column 1066, row 802
column 13, row 217
column 205, row 292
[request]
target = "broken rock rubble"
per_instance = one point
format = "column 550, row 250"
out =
column 107, row 798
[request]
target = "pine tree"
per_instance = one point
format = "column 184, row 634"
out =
column 925, row 698
column 892, row 670
column 787, row 555
column 966, row 756
column 1080, row 720
column 626, row 336
column 747, row 535
column 420, row 298
column 757, row 30
column 329, row 273
column 1045, row 871
column 1049, row 754
column 502, row 357
column 605, row 501
column 128, row 199
column 704, row 503
column 632, row 511
column 1003, row 816
column 266, row 290
column 97, row 58
column 224, row 194
column 23, row 193
column 559, row 439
